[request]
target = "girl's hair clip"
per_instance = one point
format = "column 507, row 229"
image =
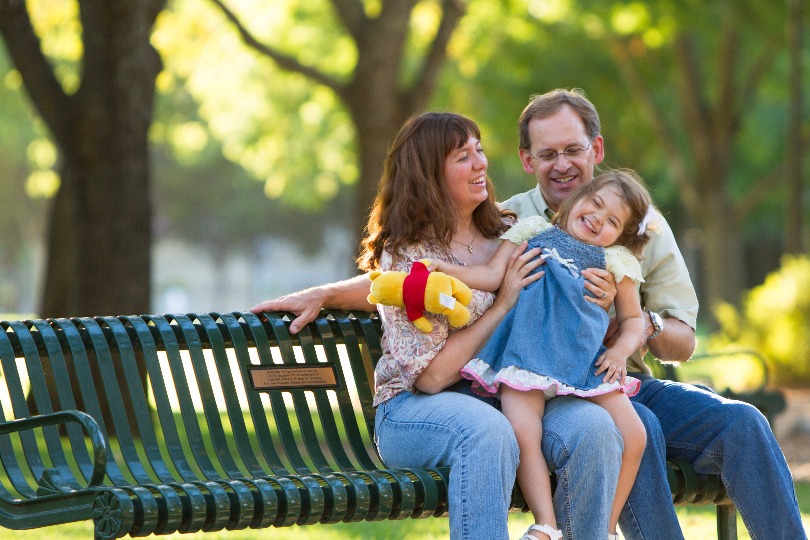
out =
column 649, row 222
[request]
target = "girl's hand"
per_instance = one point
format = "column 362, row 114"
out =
column 431, row 264
column 518, row 275
column 613, row 365
column 602, row 285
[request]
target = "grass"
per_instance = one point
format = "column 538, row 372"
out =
column 696, row 522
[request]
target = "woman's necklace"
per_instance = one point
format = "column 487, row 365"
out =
column 470, row 245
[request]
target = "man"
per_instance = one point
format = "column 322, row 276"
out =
column 560, row 145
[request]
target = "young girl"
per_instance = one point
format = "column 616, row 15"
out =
column 604, row 224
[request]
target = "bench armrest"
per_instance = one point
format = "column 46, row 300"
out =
column 93, row 430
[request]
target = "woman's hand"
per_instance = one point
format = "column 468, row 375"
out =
column 350, row 294
column 518, row 275
column 602, row 285
column 306, row 305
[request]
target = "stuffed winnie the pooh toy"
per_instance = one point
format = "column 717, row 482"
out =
column 422, row 290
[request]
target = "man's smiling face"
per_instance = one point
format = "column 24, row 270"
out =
column 557, row 133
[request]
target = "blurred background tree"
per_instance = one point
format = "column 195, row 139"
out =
column 693, row 96
column 88, row 69
column 267, row 121
column 380, row 60
column 27, row 181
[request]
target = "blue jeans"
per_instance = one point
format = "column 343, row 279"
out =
column 452, row 429
column 580, row 442
column 718, row 436
column 584, row 449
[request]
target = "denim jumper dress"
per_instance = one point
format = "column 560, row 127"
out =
column 552, row 337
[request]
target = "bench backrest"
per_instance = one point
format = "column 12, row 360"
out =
column 189, row 398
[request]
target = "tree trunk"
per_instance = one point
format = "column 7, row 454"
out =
column 794, row 222
column 722, row 251
column 100, row 231
column 99, row 245
column 377, row 97
column 377, row 122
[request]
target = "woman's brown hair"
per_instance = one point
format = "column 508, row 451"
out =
column 413, row 205
column 632, row 190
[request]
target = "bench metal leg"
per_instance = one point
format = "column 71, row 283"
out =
column 726, row 522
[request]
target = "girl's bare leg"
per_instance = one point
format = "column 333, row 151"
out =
column 524, row 410
column 635, row 440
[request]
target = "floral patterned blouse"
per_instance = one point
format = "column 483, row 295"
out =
column 406, row 350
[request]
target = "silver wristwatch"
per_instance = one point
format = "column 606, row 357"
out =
column 657, row 322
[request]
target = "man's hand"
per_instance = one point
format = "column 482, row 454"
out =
column 306, row 305
column 602, row 285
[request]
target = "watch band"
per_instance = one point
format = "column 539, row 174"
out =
column 657, row 322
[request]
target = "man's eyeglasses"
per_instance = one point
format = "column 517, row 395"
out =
column 549, row 156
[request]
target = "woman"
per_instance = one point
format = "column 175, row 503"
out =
column 435, row 201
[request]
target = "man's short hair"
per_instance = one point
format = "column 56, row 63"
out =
column 544, row 105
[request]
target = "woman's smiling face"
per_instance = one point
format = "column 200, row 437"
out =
column 465, row 173
column 598, row 219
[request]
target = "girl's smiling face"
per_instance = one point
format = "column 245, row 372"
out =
column 598, row 219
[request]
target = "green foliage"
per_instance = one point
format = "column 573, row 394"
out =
column 774, row 319
column 285, row 131
column 232, row 130
column 26, row 160
column 209, row 201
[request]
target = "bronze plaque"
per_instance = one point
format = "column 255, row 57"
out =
column 292, row 377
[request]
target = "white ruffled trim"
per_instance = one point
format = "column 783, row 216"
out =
column 486, row 382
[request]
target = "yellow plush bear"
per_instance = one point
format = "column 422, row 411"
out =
column 422, row 290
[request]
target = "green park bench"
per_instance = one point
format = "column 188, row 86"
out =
column 204, row 422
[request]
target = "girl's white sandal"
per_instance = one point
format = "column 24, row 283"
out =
column 554, row 534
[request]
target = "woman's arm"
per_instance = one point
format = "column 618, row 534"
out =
column 460, row 346
column 350, row 294
column 484, row 277
column 629, row 336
